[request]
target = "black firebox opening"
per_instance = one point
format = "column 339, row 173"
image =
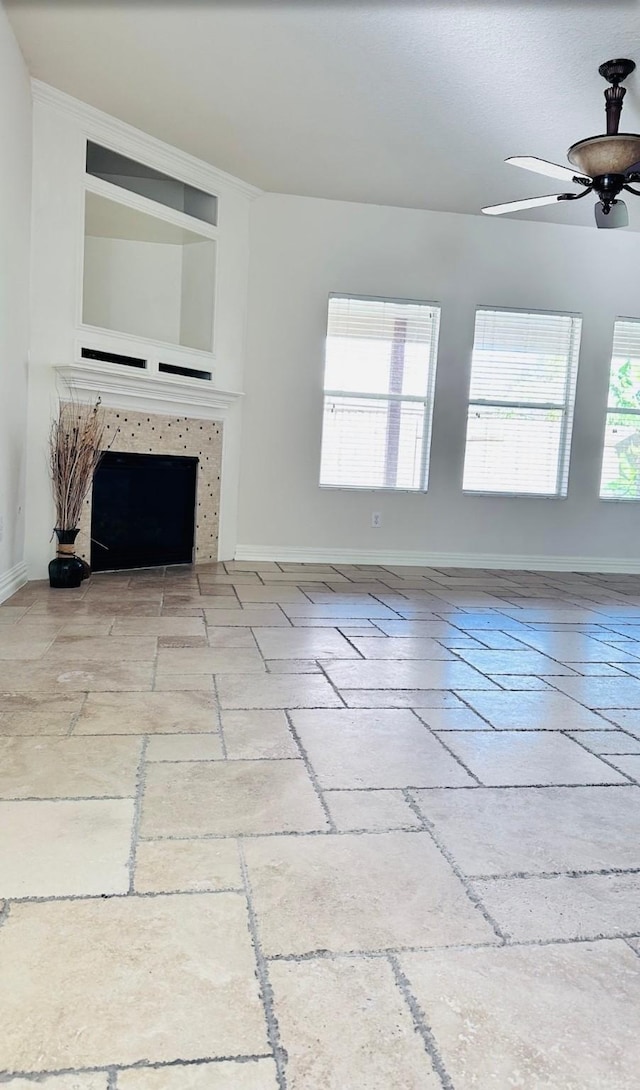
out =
column 143, row 511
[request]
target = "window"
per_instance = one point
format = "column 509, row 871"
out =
column 621, row 459
column 378, row 393
column 523, row 378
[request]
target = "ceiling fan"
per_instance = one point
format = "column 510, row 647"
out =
column 606, row 165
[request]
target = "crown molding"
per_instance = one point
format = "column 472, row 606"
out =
column 396, row 558
column 146, row 393
column 129, row 140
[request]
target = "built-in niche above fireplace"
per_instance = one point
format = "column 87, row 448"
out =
column 143, row 511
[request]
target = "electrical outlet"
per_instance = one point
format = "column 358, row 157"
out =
column 376, row 519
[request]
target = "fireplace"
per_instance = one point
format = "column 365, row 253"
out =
column 134, row 432
column 143, row 511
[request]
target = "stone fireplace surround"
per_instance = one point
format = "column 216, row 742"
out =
column 135, row 432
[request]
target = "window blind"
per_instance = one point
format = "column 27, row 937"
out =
column 523, row 376
column 621, row 454
column 378, row 392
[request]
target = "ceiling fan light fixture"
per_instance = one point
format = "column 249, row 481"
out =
column 598, row 155
column 616, row 215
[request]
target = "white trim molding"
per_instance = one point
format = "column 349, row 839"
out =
column 307, row 555
column 131, row 141
column 12, row 580
column 118, row 389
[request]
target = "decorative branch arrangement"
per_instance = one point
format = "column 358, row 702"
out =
column 75, row 447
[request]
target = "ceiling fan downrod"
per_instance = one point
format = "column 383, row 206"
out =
column 615, row 72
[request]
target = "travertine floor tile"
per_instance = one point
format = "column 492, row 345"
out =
column 371, row 810
column 387, row 748
column 314, row 1003
column 401, row 648
column 147, row 713
column 209, row 660
column 250, row 1075
column 602, row 692
column 187, row 683
column 513, row 662
column 37, row 713
column 19, row 648
column 229, row 798
column 275, row 691
column 49, row 768
column 400, row 698
column 201, row 999
column 167, row 866
column 158, row 626
column 247, row 618
column 185, row 747
column 539, row 829
column 574, row 647
column 533, row 711
column 308, row 643
column 460, row 718
column 80, row 676
column 563, row 907
column 96, row 1080
column 61, row 849
column 366, row 891
column 11, row 614
column 257, row 735
column 101, row 649
column 534, row 1016
column 629, row 765
column 230, row 637
column 608, row 741
column 420, row 674
column 418, row 629
column 511, row 758
column 628, row 719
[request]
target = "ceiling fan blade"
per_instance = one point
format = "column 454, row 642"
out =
column 518, row 206
column 541, row 166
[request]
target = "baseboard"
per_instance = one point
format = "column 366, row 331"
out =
column 12, row 580
column 305, row 555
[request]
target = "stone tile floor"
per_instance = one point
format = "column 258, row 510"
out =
column 303, row 827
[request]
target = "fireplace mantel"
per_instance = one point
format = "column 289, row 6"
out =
column 149, row 392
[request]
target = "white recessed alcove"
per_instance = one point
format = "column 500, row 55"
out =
column 147, row 275
column 140, row 178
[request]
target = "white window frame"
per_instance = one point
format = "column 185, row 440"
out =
column 613, row 411
column 427, row 400
column 566, row 407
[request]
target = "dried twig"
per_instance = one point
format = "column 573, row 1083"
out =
column 75, row 448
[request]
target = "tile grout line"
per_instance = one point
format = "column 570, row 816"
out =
column 457, row 870
column 75, row 717
column 600, row 756
column 218, row 713
column 137, row 813
column 311, row 773
column 420, row 1023
column 6, row 1077
column 262, row 973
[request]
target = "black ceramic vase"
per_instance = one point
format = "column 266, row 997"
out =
column 66, row 569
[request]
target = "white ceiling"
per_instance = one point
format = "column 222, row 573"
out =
column 399, row 103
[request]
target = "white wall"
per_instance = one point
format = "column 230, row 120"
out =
column 133, row 287
column 15, row 198
column 301, row 250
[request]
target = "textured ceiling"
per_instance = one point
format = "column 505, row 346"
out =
column 412, row 104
